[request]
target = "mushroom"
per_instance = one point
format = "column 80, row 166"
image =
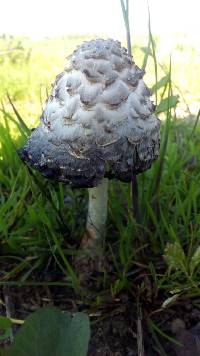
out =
column 98, row 124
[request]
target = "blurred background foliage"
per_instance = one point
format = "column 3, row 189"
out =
column 28, row 67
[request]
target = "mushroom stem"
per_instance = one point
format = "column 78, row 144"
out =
column 97, row 215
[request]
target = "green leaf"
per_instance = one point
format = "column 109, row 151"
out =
column 167, row 103
column 195, row 260
column 147, row 53
column 146, row 50
column 25, row 128
column 50, row 332
column 5, row 327
column 169, row 301
column 175, row 256
column 161, row 83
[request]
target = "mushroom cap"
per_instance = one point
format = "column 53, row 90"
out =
column 98, row 121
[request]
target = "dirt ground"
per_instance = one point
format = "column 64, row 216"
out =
column 116, row 329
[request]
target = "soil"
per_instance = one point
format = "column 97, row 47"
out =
column 116, row 328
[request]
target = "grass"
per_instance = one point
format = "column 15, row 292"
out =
column 154, row 259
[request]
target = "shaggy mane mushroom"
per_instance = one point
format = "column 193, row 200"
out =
column 98, row 124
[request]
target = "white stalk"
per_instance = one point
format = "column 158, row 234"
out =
column 97, row 215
